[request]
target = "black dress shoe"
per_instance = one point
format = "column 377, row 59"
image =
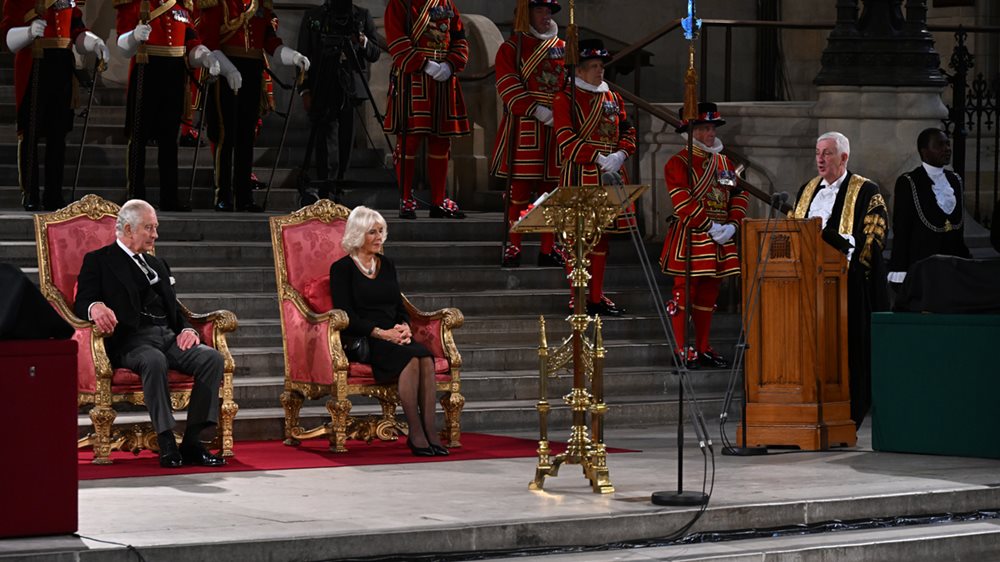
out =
column 511, row 256
column 604, row 307
column 195, row 454
column 448, row 209
column 170, row 457
column 419, row 451
column 710, row 358
column 31, row 202
column 689, row 359
column 224, row 207
column 439, row 450
column 442, row 213
column 551, row 259
column 407, row 209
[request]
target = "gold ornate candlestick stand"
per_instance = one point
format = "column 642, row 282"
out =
column 579, row 215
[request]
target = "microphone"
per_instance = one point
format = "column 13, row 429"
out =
column 780, row 199
column 611, row 178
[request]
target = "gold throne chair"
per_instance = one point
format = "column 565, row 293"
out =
column 305, row 244
column 62, row 239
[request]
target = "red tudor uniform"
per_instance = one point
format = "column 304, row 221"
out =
column 428, row 47
column 527, row 88
column 243, row 30
column 712, row 204
column 161, row 101
column 598, row 131
column 54, row 117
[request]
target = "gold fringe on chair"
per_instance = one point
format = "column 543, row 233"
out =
column 522, row 17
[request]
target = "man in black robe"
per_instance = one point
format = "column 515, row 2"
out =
column 927, row 208
column 855, row 222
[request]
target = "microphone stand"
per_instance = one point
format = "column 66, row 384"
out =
column 749, row 311
column 686, row 393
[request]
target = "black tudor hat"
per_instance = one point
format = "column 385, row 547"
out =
column 708, row 112
column 593, row 49
column 550, row 4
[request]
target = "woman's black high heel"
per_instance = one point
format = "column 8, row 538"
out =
column 438, row 450
column 419, row 451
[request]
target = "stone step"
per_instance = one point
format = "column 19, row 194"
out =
column 492, row 416
column 540, row 301
column 485, row 386
column 648, row 353
column 520, row 328
column 963, row 540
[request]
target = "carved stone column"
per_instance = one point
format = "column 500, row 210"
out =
column 880, row 84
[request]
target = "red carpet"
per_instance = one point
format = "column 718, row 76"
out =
column 315, row 453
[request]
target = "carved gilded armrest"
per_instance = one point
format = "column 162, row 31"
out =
column 212, row 328
column 312, row 339
column 434, row 331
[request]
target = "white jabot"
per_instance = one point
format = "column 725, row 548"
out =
column 714, row 149
column 590, row 87
column 546, row 35
column 822, row 203
column 944, row 194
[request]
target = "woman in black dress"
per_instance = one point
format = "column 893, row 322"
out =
column 364, row 285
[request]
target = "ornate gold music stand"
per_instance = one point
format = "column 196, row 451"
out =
column 579, row 215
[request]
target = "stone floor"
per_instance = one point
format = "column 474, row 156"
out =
column 485, row 507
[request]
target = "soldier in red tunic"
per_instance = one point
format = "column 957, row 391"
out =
column 527, row 86
column 159, row 40
column 239, row 32
column 704, row 236
column 51, row 34
column 428, row 47
column 594, row 138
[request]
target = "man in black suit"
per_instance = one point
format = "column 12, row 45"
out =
column 860, row 234
column 129, row 294
column 927, row 208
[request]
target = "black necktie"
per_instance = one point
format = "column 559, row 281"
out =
column 144, row 267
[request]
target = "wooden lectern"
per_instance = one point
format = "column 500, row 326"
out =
column 795, row 304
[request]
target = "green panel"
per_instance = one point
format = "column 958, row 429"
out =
column 935, row 384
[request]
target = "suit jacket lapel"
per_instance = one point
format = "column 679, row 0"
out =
column 121, row 266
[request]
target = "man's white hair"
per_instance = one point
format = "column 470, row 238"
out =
column 130, row 214
column 843, row 145
column 358, row 222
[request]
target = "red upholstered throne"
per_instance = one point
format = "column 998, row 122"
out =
column 63, row 238
column 305, row 244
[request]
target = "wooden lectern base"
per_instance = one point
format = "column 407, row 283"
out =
column 780, row 425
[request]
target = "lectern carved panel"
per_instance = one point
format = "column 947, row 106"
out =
column 781, row 247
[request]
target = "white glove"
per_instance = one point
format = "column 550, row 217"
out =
column 129, row 42
column 91, row 43
column 291, row 57
column 228, row 71
column 612, row 162
column 543, row 114
column 723, row 233
column 362, row 40
column 443, row 73
column 850, row 240
column 20, row 37
column 204, row 58
column 431, row 68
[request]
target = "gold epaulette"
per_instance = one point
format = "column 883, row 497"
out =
column 205, row 4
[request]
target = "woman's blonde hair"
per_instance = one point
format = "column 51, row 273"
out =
column 358, row 222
